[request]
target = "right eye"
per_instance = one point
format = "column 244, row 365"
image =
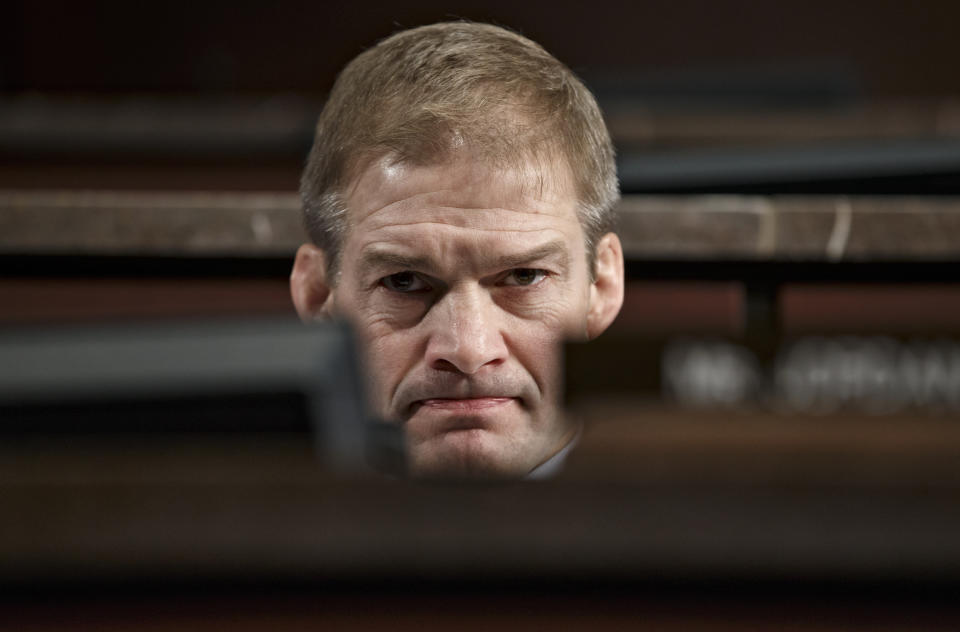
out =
column 404, row 282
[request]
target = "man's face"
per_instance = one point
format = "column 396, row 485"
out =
column 462, row 281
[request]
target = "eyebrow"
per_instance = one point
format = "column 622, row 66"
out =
column 373, row 259
column 554, row 249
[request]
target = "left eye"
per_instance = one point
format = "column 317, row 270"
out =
column 525, row 276
column 404, row 282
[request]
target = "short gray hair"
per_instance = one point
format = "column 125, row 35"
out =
column 417, row 93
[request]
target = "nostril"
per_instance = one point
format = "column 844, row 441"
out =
column 444, row 365
column 464, row 333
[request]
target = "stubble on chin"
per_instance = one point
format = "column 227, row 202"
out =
column 483, row 454
column 463, row 457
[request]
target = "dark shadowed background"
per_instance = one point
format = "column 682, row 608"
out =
column 893, row 48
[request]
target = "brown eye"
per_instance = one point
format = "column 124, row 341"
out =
column 525, row 276
column 403, row 282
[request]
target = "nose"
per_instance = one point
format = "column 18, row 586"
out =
column 465, row 332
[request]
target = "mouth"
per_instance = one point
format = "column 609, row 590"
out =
column 447, row 414
column 464, row 405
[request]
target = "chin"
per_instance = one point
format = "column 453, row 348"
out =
column 466, row 454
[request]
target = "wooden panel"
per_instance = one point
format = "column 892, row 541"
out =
column 138, row 223
column 669, row 228
column 34, row 301
column 886, row 308
column 660, row 307
column 790, row 228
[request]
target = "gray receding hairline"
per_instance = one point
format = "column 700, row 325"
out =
column 413, row 90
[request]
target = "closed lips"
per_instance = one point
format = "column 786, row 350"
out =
column 464, row 404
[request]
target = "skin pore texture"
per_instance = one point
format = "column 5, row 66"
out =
column 462, row 281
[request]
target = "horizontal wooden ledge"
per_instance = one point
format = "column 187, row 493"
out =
column 809, row 228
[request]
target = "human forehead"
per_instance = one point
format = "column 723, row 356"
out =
column 451, row 192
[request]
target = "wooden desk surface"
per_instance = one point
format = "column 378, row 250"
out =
column 646, row 495
column 685, row 522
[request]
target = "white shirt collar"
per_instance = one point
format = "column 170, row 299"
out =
column 554, row 465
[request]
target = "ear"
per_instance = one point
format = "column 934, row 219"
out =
column 311, row 290
column 606, row 292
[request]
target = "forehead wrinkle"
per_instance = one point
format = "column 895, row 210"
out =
column 542, row 209
column 471, row 228
column 465, row 217
column 381, row 191
column 467, row 207
column 426, row 201
column 406, row 189
column 384, row 254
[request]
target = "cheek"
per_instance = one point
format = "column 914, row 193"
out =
column 381, row 353
column 538, row 343
column 556, row 319
column 538, row 348
column 388, row 357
